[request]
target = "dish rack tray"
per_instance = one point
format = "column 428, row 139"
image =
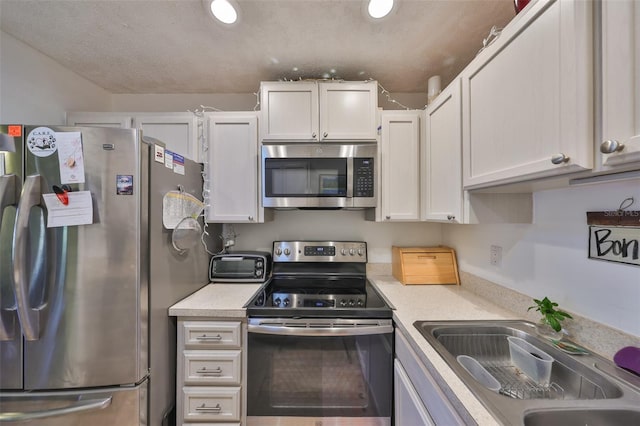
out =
column 491, row 351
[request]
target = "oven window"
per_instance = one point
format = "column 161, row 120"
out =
column 338, row 376
column 305, row 177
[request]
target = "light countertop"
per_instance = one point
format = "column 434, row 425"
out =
column 411, row 303
column 216, row 300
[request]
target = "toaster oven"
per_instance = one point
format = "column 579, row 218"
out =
column 240, row 267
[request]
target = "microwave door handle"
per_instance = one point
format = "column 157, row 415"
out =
column 350, row 177
column 7, row 198
column 29, row 318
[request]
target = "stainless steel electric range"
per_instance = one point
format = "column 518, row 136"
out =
column 320, row 346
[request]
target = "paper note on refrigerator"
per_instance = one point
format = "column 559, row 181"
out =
column 79, row 211
column 70, row 157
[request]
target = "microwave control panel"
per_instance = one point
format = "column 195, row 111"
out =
column 363, row 177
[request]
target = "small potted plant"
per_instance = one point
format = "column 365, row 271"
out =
column 550, row 323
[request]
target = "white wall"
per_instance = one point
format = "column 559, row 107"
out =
column 336, row 225
column 34, row 89
column 549, row 257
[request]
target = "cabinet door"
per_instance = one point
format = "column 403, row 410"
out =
column 442, row 157
column 620, row 84
column 408, row 410
column 100, row 119
column 527, row 99
column 400, row 165
column 177, row 130
column 233, row 167
column 289, row 111
column 348, row 111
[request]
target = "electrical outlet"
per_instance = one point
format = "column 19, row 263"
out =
column 495, row 255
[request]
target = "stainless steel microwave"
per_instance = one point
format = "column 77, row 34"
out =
column 319, row 176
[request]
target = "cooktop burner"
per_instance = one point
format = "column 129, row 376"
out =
column 318, row 279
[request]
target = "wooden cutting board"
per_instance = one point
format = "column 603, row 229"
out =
column 425, row 265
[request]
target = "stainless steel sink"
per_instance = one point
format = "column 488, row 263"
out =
column 568, row 417
column 579, row 384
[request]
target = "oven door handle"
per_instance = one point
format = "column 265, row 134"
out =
column 319, row 331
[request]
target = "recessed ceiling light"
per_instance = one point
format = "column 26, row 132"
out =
column 379, row 8
column 224, row 11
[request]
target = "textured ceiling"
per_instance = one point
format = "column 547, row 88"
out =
column 173, row 46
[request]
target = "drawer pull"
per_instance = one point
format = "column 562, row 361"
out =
column 215, row 372
column 426, row 257
column 204, row 408
column 204, row 337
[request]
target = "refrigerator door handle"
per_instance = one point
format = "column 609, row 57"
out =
column 29, row 317
column 7, row 198
column 78, row 407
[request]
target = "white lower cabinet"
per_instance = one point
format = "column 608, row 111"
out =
column 419, row 399
column 409, row 409
column 210, row 373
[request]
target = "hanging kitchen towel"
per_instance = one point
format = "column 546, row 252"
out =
column 176, row 205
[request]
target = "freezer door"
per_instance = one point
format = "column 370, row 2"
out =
column 83, row 290
column 10, row 185
column 122, row 406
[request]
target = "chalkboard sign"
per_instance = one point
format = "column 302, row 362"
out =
column 614, row 236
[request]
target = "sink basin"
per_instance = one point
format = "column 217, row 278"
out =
column 578, row 383
column 582, row 417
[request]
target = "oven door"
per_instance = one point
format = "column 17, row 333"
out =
column 319, row 371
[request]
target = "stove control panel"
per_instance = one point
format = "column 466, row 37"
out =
column 297, row 300
column 320, row 251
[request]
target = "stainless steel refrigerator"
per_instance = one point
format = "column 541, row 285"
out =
column 85, row 338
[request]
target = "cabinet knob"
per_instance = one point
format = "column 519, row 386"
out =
column 610, row 146
column 450, row 217
column 559, row 158
column 325, row 134
column 251, row 218
column 313, row 135
column 387, row 217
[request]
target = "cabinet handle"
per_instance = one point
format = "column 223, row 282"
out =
column 313, row 135
column 325, row 134
column 251, row 218
column 427, row 257
column 204, row 337
column 559, row 158
column 204, row 408
column 387, row 217
column 610, row 146
column 450, row 217
column 215, row 372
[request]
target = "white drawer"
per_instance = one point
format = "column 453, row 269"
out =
column 212, row 334
column 211, row 404
column 212, row 367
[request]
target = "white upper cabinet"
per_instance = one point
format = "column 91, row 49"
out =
column 442, row 157
column 620, row 140
column 233, row 167
column 318, row 112
column 289, row 111
column 527, row 98
column 400, row 155
column 348, row 111
column 100, row 119
column 178, row 130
